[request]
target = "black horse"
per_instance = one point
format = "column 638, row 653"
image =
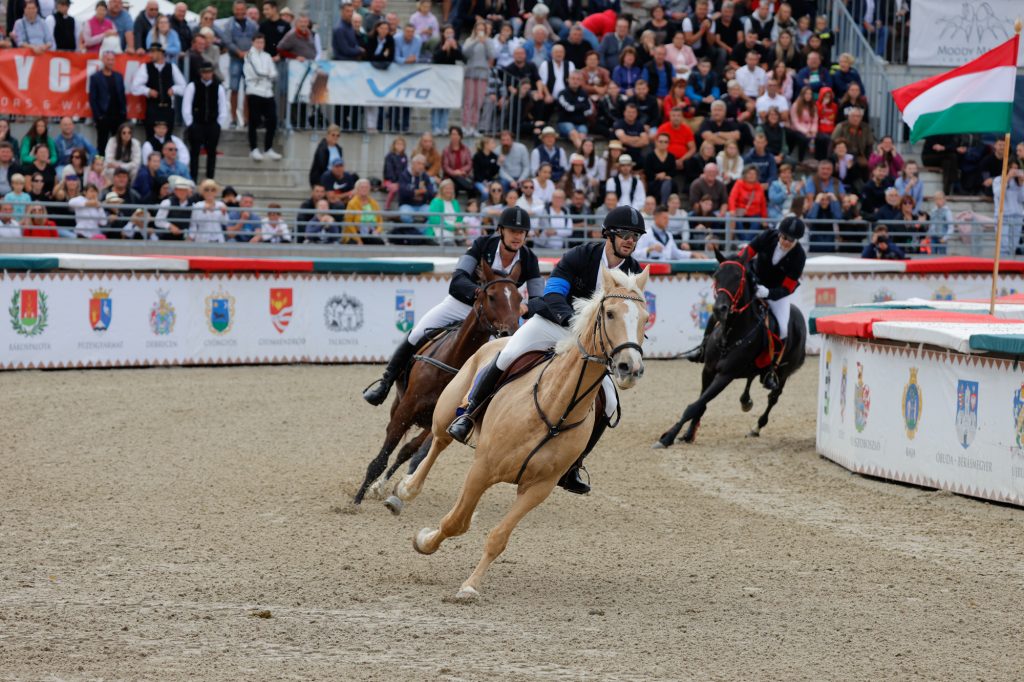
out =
column 739, row 347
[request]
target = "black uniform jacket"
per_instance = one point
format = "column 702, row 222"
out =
column 575, row 276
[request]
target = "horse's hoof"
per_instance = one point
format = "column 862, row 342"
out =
column 421, row 538
column 658, row 445
column 747, row 406
column 754, row 433
column 466, row 594
column 377, row 489
column 394, row 505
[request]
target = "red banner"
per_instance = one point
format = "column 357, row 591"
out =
column 56, row 83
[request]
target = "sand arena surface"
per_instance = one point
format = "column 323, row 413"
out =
column 146, row 515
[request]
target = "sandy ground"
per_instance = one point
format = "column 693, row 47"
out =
column 146, row 515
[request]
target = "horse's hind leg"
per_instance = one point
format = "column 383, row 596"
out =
column 409, row 487
column 497, row 539
column 456, row 522
column 745, row 402
column 420, row 455
column 773, row 398
column 413, row 447
column 396, row 428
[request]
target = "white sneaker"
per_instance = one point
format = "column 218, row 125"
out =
column 272, row 155
column 256, row 155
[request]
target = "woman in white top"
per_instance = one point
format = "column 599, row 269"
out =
column 678, row 225
column 209, row 216
column 543, row 185
column 123, row 151
column 595, row 165
column 730, row 164
column 89, row 215
column 555, row 227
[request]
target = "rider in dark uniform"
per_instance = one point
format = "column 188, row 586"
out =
column 777, row 260
column 501, row 251
column 576, row 276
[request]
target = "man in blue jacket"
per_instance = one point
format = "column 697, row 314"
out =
column 107, row 100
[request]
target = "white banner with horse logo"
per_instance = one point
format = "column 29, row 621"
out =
column 944, row 33
column 432, row 86
column 934, row 418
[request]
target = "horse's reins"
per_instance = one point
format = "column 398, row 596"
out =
column 478, row 308
column 601, row 334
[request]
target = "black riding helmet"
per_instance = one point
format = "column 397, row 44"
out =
column 515, row 218
column 792, row 227
column 622, row 218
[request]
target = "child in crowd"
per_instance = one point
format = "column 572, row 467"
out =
column 18, row 198
column 471, row 221
column 95, row 176
column 275, row 229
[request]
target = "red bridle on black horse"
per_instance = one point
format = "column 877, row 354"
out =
column 735, row 297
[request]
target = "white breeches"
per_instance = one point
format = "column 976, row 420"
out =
column 443, row 314
column 539, row 333
column 780, row 309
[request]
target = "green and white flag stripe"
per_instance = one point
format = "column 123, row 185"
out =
column 974, row 98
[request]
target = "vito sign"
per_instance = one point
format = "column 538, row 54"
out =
column 56, row 83
column 411, row 85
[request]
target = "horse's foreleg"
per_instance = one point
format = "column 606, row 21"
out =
column 409, row 487
column 762, row 421
column 413, row 447
column 745, row 402
column 456, row 522
column 695, row 410
column 497, row 539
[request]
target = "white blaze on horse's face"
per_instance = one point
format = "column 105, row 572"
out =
column 626, row 325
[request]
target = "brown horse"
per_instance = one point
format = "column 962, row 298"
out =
column 528, row 435
column 495, row 313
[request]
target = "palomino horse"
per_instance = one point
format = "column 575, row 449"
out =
column 536, row 426
column 734, row 347
column 495, row 313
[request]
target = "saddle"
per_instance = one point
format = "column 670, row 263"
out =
column 774, row 346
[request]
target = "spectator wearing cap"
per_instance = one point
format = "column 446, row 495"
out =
column 159, row 81
column 205, row 112
column 155, row 143
column 337, row 178
column 550, row 153
column 68, row 140
column 32, row 31
column 627, row 186
column 64, row 28
column 107, row 99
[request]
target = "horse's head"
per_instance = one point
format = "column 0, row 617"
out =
column 733, row 288
column 609, row 326
column 498, row 300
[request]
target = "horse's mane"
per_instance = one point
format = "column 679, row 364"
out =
column 587, row 308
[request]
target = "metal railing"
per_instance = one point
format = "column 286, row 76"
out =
column 398, row 231
column 850, row 38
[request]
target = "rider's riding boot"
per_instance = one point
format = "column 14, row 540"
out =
column 377, row 392
column 462, row 427
column 697, row 354
column 571, row 479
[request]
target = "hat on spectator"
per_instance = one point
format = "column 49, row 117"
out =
column 288, row 11
column 548, row 130
column 625, row 160
column 576, row 158
column 541, row 10
column 179, row 182
column 338, row 162
column 157, row 46
column 113, row 199
column 206, row 66
column 67, row 171
column 63, row 2
column 228, row 189
column 207, row 32
column 615, row 144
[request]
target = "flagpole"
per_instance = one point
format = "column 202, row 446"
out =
column 1002, row 203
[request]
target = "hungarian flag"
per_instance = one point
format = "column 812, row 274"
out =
column 974, row 98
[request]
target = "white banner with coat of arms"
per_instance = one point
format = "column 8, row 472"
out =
column 942, row 420
column 360, row 83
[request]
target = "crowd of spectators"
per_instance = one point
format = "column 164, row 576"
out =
column 724, row 117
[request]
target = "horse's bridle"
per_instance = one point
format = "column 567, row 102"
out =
column 735, row 296
column 601, row 334
column 479, row 306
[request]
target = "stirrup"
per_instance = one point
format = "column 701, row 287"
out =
column 695, row 354
column 572, row 482
column 771, row 379
column 377, row 392
column 462, row 427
